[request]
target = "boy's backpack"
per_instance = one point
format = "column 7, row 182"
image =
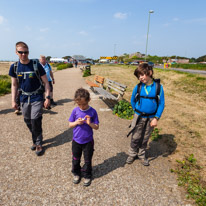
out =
column 157, row 96
column 36, row 71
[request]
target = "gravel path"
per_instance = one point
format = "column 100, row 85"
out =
column 26, row 179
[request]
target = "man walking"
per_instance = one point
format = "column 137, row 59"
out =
column 28, row 76
column 49, row 75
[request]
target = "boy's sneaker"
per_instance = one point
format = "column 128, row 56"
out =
column 130, row 160
column 145, row 161
column 87, row 182
column 76, row 179
column 39, row 150
column 33, row 147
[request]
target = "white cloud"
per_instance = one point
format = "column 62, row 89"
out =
column 44, row 29
column 28, row 28
column 175, row 19
column 197, row 20
column 166, row 24
column 2, row 19
column 83, row 33
column 120, row 15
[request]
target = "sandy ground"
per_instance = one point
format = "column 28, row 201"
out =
column 30, row 180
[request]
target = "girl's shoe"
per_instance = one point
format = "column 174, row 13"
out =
column 76, row 179
column 130, row 160
column 87, row 182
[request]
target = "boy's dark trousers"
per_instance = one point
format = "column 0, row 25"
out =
column 87, row 150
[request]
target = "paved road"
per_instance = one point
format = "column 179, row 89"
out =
column 30, row 180
column 184, row 70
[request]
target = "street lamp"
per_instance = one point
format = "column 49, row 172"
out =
column 115, row 49
column 150, row 12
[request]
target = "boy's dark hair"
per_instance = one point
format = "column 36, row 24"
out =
column 22, row 44
column 142, row 69
column 82, row 93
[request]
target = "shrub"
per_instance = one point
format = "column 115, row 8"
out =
column 123, row 109
column 64, row 66
column 5, row 84
column 155, row 134
column 86, row 73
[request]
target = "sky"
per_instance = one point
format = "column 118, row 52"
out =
column 95, row 28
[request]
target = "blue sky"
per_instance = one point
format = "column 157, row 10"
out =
column 95, row 28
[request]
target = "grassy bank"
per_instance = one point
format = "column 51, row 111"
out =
column 182, row 125
column 190, row 66
column 5, row 84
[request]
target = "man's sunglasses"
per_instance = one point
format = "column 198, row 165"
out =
column 23, row 52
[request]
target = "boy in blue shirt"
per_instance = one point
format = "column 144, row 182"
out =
column 148, row 107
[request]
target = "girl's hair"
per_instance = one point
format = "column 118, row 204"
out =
column 142, row 69
column 22, row 44
column 82, row 93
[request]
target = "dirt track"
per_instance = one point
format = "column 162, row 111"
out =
column 30, row 180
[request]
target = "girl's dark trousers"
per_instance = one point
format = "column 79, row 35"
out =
column 87, row 150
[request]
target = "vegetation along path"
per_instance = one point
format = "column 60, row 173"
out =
column 46, row 180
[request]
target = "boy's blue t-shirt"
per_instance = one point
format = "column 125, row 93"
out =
column 145, row 105
column 83, row 134
column 28, row 82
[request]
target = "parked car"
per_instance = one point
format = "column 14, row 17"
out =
column 151, row 64
column 134, row 63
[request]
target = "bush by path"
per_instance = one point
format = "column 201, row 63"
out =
column 5, row 84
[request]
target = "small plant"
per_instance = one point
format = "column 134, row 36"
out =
column 5, row 84
column 86, row 73
column 155, row 134
column 189, row 177
column 123, row 109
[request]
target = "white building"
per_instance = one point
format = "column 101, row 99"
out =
column 55, row 59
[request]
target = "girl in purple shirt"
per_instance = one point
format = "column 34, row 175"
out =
column 83, row 120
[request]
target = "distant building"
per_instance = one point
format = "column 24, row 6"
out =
column 80, row 58
column 55, row 59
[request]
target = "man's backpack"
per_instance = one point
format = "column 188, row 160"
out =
column 36, row 71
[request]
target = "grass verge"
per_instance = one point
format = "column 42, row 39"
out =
column 188, row 172
column 5, row 84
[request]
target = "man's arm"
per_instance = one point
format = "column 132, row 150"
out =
column 52, row 76
column 47, row 90
column 14, row 88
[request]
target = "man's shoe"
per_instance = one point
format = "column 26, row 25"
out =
column 130, row 160
column 76, row 179
column 17, row 112
column 52, row 102
column 87, row 182
column 145, row 161
column 39, row 150
column 33, row 147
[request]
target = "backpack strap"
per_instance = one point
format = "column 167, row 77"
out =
column 139, row 87
column 157, row 90
column 35, row 66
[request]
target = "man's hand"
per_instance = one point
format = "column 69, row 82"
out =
column 14, row 105
column 47, row 103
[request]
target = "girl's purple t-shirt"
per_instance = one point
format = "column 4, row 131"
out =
column 83, row 133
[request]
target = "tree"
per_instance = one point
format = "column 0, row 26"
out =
column 48, row 58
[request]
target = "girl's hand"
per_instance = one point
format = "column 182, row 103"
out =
column 153, row 123
column 79, row 121
column 87, row 119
